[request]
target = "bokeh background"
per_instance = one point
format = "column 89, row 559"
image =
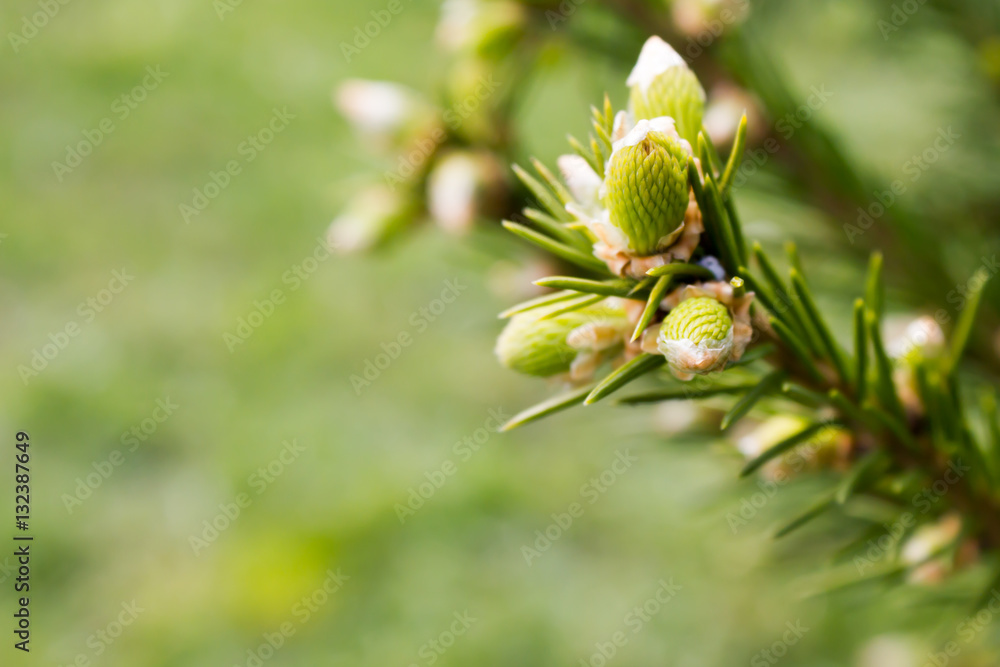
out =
column 331, row 505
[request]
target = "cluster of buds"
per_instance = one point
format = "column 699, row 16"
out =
column 433, row 174
column 642, row 210
column 440, row 155
column 641, row 213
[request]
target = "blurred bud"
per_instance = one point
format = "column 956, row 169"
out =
column 928, row 541
column 661, row 84
column 921, row 343
column 370, row 219
column 473, row 93
column 722, row 117
column 386, row 113
column 485, row 27
column 922, row 339
column 704, row 21
column 464, row 186
column 534, row 345
column 829, row 447
column 646, row 187
column 769, row 433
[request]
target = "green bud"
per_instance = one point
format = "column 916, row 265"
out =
column 696, row 336
column 646, row 187
column 697, row 320
column 546, row 347
column 661, row 84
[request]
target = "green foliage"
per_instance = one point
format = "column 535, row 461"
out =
column 899, row 419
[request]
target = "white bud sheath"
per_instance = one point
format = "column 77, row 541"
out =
column 582, row 180
column 655, row 58
column 663, row 124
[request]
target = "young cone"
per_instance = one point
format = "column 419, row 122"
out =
column 646, row 188
column 534, row 344
column 661, row 84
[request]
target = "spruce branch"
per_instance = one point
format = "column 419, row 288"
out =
column 681, row 297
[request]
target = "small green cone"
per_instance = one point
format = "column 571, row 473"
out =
column 697, row 320
column 696, row 336
column 661, row 84
column 646, row 188
column 540, row 347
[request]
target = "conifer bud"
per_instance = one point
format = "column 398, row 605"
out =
column 370, row 219
column 707, row 326
column 697, row 336
column 921, row 344
column 532, row 345
column 388, row 115
column 828, row 447
column 463, row 186
column 646, row 186
column 661, row 84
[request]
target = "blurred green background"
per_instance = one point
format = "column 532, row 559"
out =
column 332, row 506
